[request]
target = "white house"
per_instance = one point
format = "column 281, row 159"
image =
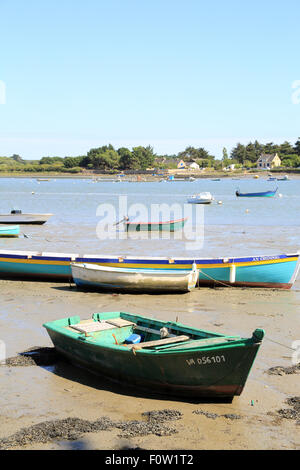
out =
column 193, row 166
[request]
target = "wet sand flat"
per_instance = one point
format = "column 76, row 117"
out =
column 60, row 406
column 35, row 394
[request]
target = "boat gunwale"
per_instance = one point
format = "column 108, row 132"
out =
column 146, row 271
column 66, row 331
column 115, row 258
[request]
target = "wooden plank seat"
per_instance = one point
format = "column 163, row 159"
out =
column 119, row 322
column 158, row 342
column 93, row 326
column 207, row 342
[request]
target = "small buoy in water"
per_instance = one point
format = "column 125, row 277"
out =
column 247, row 210
column 33, row 192
column 220, row 202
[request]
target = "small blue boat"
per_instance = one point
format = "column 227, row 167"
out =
column 12, row 231
column 262, row 194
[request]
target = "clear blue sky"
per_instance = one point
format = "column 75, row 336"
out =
column 169, row 73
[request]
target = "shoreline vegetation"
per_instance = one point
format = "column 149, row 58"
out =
column 106, row 161
column 146, row 177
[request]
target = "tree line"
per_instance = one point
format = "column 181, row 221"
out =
column 109, row 159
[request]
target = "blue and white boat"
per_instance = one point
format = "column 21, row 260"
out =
column 260, row 194
column 278, row 271
column 284, row 178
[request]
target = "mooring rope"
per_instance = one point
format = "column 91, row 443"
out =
column 228, row 285
column 215, row 280
column 280, row 344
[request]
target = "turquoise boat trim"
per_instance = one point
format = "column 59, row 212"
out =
column 266, row 271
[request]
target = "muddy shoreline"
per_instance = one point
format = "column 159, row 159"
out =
column 46, row 400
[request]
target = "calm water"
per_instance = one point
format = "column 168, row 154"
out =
column 237, row 226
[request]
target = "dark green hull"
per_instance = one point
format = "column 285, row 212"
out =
column 170, row 226
column 208, row 371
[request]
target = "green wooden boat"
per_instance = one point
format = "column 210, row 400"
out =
column 168, row 226
column 158, row 356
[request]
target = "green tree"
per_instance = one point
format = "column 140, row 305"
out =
column 50, row 160
column 192, row 153
column 71, row 162
column 286, row 149
column 225, row 154
column 297, row 146
column 239, row 153
column 128, row 160
column 104, row 157
column 17, row 158
column 292, row 160
column 145, row 156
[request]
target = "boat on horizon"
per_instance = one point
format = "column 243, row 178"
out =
column 157, row 356
column 88, row 275
column 272, row 271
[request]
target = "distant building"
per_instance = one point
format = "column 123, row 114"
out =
column 181, row 164
column 193, row 166
column 229, row 167
column 267, row 161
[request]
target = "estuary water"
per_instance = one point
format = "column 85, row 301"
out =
column 230, row 226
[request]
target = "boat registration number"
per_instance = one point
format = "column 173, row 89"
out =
column 205, row 360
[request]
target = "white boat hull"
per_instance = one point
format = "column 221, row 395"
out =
column 199, row 201
column 102, row 277
column 201, row 198
column 24, row 218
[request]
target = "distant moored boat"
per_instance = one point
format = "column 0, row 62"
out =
column 168, row 226
column 261, row 194
column 17, row 217
column 201, row 198
column 284, row 178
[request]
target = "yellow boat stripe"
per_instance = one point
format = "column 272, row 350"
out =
column 152, row 265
